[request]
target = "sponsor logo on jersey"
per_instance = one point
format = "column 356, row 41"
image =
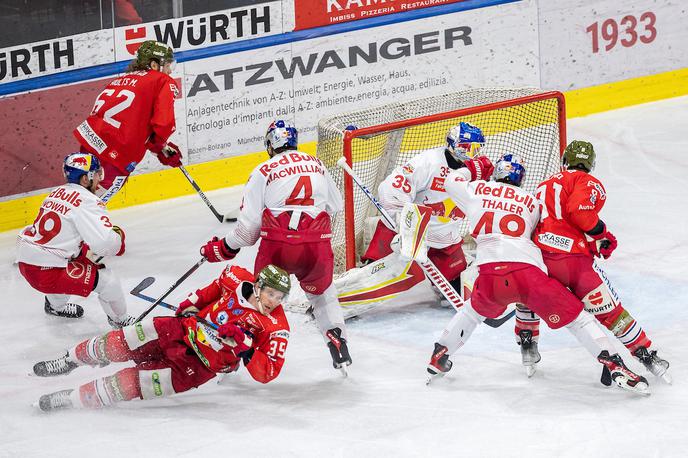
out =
column 281, row 334
column 75, row 269
column 222, row 317
column 437, row 184
column 237, row 311
column 407, row 169
column 556, row 241
column 157, row 388
column 139, row 332
column 586, row 207
column 91, row 137
column 599, row 188
column 554, row 318
column 230, row 303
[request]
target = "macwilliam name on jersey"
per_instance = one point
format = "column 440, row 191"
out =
column 285, row 159
column 556, row 241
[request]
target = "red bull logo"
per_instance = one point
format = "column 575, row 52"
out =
column 82, row 162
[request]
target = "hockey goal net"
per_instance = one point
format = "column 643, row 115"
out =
column 526, row 121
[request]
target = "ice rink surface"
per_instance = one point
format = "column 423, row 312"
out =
column 485, row 407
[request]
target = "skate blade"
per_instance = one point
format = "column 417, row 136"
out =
column 530, row 370
column 667, row 378
column 640, row 387
column 343, row 371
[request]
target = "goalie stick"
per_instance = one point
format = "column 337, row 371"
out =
column 431, row 271
column 159, row 300
column 221, row 218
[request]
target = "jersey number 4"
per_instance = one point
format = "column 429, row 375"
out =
column 116, row 101
column 302, row 186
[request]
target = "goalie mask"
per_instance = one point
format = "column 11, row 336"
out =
column 281, row 135
column 465, row 141
column 579, row 155
column 510, row 169
column 77, row 165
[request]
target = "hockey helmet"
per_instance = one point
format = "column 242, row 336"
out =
column 281, row 134
column 465, row 141
column 579, row 154
column 510, row 169
column 152, row 50
column 77, row 165
column 275, row 278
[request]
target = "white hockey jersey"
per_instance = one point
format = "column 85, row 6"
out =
column 421, row 181
column 69, row 215
column 502, row 218
column 291, row 180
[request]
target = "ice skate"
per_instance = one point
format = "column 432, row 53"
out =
column 653, row 363
column 530, row 355
column 69, row 311
column 338, row 349
column 439, row 363
column 56, row 401
column 51, row 368
column 119, row 323
column 616, row 371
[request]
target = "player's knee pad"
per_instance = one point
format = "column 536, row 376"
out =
column 328, row 314
column 156, row 383
column 460, row 328
column 139, row 334
column 589, row 333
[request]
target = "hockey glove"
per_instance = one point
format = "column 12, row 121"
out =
column 89, row 257
column 120, row 232
column 235, row 337
column 217, row 250
column 481, row 168
column 188, row 306
column 603, row 244
column 170, row 155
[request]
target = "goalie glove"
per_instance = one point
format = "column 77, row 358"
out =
column 602, row 242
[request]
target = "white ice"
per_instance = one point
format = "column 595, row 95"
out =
column 484, row 407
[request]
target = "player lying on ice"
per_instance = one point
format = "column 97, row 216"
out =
column 421, row 181
column 287, row 204
column 59, row 253
column 502, row 218
column 571, row 235
column 175, row 354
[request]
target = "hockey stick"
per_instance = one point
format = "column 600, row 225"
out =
column 145, row 283
column 220, row 218
column 170, row 289
column 431, row 271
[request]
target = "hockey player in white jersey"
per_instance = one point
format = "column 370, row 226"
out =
column 55, row 254
column 420, row 181
column 502, row 218
column 287, row 203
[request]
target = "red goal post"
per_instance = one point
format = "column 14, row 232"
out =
column 527, row 121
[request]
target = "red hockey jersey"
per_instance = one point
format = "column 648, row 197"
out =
column 220, row 304
column 570, row 203
column 124, row 116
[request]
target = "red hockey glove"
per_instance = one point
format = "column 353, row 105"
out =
column 170, row 155
column 481, row 168
column 604, row 244
column 235, row 337
column 186, row 307
column 120, row 232
column 89, row 257
column 216, row 250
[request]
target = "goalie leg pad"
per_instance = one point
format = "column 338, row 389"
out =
column 139, row 334
column 380, row 244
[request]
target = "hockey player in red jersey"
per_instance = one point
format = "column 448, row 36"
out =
column 287, row 202
column 571, row 234
column 134, row 113
column 502, row 218
column 56, row 253
column 175, row 354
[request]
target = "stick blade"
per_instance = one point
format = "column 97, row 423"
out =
column 145, row 283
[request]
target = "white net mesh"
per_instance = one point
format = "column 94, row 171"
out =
column 525, row 121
